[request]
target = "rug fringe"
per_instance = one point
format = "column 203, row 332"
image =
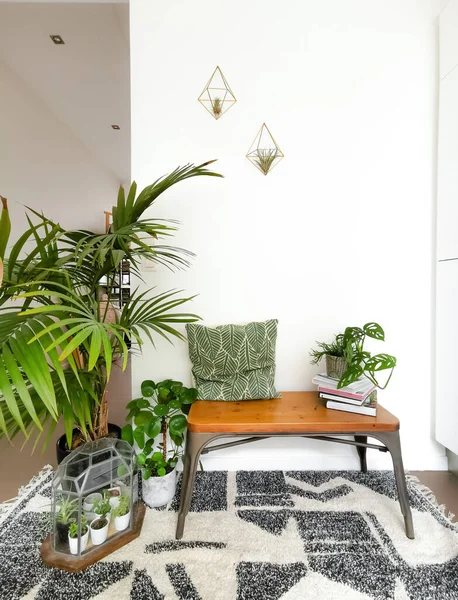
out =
column 8, row 506
column 429, row 495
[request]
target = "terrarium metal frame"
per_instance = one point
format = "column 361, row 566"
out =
column 264, row 153
column 217, row 100
column 94, row 505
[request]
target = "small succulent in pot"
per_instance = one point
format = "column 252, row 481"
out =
column 114, row 494
column 103, row 507
column 73, row 533
column 67, row 511
column 99, row 530
column 121, row 514
column 89, row 503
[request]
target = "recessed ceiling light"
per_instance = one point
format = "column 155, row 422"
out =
column 57, row 39
column 115, row 127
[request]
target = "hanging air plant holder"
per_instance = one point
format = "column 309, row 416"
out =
column 264, row 152
column 217, row 96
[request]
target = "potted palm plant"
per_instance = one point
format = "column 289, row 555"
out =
column 57, row 338
column 159, row 415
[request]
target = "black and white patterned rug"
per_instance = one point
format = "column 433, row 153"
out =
column 251, row 535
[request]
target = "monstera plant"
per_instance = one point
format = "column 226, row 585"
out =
column 58, row 338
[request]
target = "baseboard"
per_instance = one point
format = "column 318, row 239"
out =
column 452, row 462
column 375, row 460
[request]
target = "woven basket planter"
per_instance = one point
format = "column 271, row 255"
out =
column 335, row 366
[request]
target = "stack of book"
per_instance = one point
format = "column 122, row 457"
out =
column 358, row 397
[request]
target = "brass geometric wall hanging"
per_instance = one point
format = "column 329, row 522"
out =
column 217, row 96
column 264, row 152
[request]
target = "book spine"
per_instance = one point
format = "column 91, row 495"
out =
column 341, row 399
column 359, row 410
column 344, row 394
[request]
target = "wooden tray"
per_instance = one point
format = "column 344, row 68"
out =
column 92, row 554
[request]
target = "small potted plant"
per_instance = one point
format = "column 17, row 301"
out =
column 161, row 412
column 99, row 530
column 88, row 505
column 68, row 508
column 358, row 360
column 102, row 508
column 114, row 494
column 336, row 354
column 73, row 532
column 121, row 514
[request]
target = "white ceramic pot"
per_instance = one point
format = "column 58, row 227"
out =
column 122, row 523
column 98, row 536
column 114, row 500
column 73, row 543
column 107, row 517
column 158, row 491
column 90, row 500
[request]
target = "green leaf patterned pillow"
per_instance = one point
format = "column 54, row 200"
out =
column 234, row 362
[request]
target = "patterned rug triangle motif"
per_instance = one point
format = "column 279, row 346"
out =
column 182, row 584
column 272, row 521
column 266, row 580
column 85, row 585
column 143, row 587
column 440, row 578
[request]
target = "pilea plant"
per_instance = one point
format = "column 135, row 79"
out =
column 350, row 345
column 161, row 410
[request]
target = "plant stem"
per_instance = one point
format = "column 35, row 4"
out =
column 164, row 438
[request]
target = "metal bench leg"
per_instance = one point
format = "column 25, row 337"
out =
column 194, row 445
column 393, row 443
column 362, row 451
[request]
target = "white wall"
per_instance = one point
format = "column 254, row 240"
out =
column 43, row 165
column 341, row 232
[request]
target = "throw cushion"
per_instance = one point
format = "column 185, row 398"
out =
column 234, row 362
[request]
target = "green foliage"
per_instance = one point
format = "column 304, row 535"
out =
column 56, row 344
column 217, row 106
column 264, row 159
column 5, row 228
column 73, row 529
column 350, row 345
column 67, row 508
column 335, row 348
column 164, row 411
column 122, row 508
column 102, row 507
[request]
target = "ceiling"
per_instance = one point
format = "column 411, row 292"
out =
column 86, row 81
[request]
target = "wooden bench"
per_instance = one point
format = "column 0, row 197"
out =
column 298, row 414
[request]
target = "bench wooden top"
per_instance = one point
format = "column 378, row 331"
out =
column 294, row 412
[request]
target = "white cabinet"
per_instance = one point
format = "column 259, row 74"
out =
column 447, row 235
column 447, row 355
column 448, row 23
column 447, row 207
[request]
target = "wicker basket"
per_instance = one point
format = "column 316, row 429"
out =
column 335, row 366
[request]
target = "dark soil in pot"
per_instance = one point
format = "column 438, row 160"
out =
column 62, row 450
column 99, row 524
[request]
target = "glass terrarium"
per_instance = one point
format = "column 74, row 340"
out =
column 94, row 498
